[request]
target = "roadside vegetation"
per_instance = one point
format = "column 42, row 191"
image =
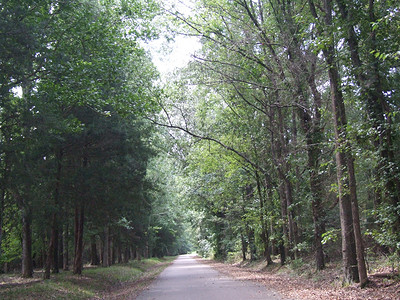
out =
column 301, row 281
column 118, row 281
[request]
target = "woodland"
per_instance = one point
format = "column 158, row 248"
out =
column 277, row 142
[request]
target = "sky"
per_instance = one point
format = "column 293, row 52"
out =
column 177, row 55
column 167, row 56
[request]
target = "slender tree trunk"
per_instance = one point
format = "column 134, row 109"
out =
column 343, row 155
column 244, row 247
column 286, row 190
column 65, row 248
column 362, row 269
column 79, row 220
column 27, row 264
column 292, row 225
column 317, row 211
column 378, row 110
column 94, row 259
column 126, row 255
column 110, row 252
column 79, row 226
column 283, row 247
column 106, row 247
column 56, row 255
column 50, row 249
column 264, row 225
column 252, row 245
column 119, row 251
column 2, row 201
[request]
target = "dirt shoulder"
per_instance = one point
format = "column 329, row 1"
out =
column 325, row 284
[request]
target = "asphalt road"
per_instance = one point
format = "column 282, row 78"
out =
column 188, row 279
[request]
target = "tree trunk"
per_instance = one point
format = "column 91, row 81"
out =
column 56, row 255
column 65, row 248
column 244, row 247
column 94, row 259
column 264, row 225
column 286, row 194
column 126, row 254
column 343, row 155
column 292, row 225
column 27, row 265
column 2, row 200
column 52, row 252
column 119, row 251
column 284, row 247
column 112, row 251
column 50, row 249
column 79, row 220
column 362, row 270
column 370, row 82
column 106, row 247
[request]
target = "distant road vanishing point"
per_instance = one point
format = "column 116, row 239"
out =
column 188, row 279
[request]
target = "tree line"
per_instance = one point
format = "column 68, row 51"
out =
column 296, row 104
column 77, row 156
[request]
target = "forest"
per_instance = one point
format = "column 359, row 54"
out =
column 278, row 141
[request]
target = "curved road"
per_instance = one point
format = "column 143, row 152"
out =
column 187, row 279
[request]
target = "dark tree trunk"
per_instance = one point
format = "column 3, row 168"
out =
column 343, row 156
column 79, row 221
column 283, row 246
column 106, row 247
column 56, row 255
column 51, row 248
column 282, row 252
column 27, row 265
column 2, row 200
column 52, row 251
column 286, row 192
column 112, row 251
column 264, row 225
column 119, row 252
column 378, row 110
column 252, row 244
column 244, row 247
column 94, row 258
column 362, row 270
column 126, row 254
column 65, row 255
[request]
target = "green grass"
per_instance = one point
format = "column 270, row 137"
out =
column 93, row 282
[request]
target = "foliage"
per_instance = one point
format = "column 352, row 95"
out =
column 97, row 281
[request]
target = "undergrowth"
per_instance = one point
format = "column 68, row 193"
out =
column 65, row 285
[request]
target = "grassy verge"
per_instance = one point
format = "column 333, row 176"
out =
column 118, row 282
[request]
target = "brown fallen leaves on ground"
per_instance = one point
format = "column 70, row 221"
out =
column 325, row 284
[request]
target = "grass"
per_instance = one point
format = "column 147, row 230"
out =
column 95, row 282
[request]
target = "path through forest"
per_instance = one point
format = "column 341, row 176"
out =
column 189, row 279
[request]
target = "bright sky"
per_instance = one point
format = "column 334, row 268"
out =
column 169, row 56
column 177, row 56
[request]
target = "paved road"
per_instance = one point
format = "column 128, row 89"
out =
column 188, row 279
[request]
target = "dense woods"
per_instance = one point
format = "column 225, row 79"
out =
column 278, row 140
column 77, row 157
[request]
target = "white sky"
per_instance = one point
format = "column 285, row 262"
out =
column 176, row 54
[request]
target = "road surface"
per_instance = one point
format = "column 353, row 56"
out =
column 188, row 279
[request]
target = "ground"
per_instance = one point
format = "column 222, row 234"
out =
column 127, row 281
column 313, row 285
